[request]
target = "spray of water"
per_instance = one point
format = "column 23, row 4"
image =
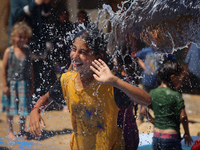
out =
column 170, row 25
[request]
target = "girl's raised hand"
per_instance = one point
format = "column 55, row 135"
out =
column 102, row 71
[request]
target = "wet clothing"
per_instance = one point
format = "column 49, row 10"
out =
column 19, row 83
column 126, row 116
column 167, row 105
column 94, row 113
column 127, row 122
column 166, row 144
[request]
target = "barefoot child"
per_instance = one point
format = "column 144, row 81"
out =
column 89, row 95
column 17, row 78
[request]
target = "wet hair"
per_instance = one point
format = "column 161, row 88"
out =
column 167, row 69
column 20, row 28
column 96, row 40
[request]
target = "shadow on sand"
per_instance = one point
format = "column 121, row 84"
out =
column 191, row 121
column 48, row 134
column 4, row 148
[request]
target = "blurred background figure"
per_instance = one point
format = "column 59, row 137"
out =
column 61, row 39
column 83, row 21
column 17, row 73
column 36, row 14
column 193, row 64
column 148, row 60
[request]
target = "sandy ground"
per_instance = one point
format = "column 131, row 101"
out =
column 57, row 133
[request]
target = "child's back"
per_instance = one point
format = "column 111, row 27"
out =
column 167, row 105
column 169, row 109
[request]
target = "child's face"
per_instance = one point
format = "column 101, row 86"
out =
column 20, row 39
column 81, row 56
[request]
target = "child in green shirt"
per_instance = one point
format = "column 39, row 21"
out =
column 169, row 109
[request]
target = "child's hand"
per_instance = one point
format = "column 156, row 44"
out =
column 6, row 91
column 34, row 124
column 188, row 139
column 102, row 71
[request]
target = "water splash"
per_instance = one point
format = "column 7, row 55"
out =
column 165, row 24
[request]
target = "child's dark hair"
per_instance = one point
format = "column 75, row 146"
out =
column 95, row 39
column 168, row 69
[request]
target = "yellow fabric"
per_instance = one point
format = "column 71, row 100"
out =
column 94, row 115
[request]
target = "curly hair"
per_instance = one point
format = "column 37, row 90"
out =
column 20, row 28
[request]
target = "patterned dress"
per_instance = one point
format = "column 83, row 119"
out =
column 18, row 81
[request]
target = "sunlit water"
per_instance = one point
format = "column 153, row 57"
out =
column 177, row 21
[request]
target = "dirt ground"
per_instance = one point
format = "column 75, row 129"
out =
column 58, row 131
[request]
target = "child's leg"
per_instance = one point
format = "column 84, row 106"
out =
column 22, row 122
column 10, row 135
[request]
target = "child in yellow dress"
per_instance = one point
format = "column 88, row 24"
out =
column 89, row 95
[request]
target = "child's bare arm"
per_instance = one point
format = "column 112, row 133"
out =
column 4, row 71
column 184, row 121
column 104, row 75
column 35, row 117
column 146, row 113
